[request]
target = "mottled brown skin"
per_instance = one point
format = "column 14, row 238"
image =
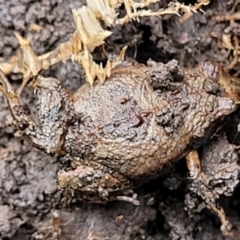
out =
column 138, row 132
column 131, row 128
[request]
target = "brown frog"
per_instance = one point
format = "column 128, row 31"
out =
column 130, row 129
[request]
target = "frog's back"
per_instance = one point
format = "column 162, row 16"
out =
column 127, row 126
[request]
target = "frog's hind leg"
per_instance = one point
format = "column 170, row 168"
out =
column 96, row 184
column 55, row 110
column 200, row 186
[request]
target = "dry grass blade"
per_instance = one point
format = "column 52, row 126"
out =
column 89, row 34
column 103, row 10
column 192, row 10
column 97, row 71
column 88, row 27
column 224, row 40
column 6, row 67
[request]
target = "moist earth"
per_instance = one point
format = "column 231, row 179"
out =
column 31, row 205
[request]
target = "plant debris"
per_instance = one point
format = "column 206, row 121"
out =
column 28, row 188
column 89, row 34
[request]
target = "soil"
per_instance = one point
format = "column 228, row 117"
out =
column 30, row 203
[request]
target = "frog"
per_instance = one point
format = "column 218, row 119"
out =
column 134, row 127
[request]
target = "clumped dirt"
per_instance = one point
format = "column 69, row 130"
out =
column 30, row 203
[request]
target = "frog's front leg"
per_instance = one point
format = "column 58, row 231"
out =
column 97, row 184
column 200, row 185
column 55, row 110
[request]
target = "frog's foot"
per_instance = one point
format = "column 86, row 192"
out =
column 55, row 110
column 200, row 186
column 95, row 184
column 219, row 162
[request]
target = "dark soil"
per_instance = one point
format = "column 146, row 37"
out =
column 30, row 202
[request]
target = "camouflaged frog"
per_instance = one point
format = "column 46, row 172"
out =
column 130, row 129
